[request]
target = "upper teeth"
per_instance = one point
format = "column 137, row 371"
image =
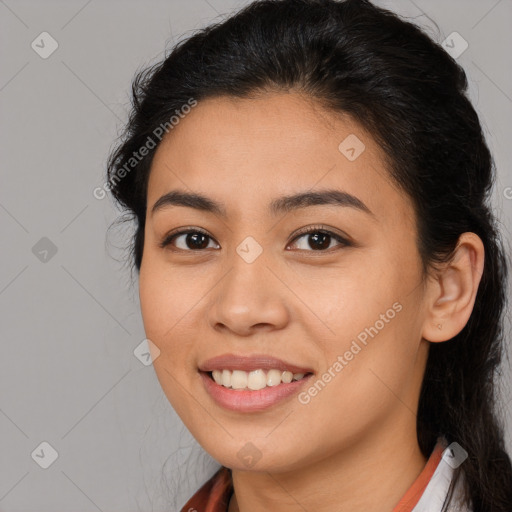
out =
column 257, row 379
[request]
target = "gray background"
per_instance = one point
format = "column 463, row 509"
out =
column 70, row 321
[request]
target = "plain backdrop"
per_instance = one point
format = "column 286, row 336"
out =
column 70, row 317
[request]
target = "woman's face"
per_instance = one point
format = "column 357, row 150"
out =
column 348, row 312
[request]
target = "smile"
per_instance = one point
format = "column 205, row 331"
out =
column 251, row 383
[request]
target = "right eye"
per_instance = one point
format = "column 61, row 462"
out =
column 193, row 240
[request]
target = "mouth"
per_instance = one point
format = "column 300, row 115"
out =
column 251, row 384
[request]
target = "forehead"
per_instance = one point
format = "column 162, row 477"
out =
column 245, row 152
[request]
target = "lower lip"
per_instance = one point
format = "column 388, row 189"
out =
column 251, row 401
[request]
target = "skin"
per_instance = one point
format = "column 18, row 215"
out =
column 353, row 446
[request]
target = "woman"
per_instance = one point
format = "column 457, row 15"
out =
column 320, row 273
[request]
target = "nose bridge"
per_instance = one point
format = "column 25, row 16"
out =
column 246, row 296
column 248, row 271
column 248, row 253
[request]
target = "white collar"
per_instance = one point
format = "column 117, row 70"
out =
column 435, row 493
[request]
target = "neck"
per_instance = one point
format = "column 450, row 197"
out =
column 371, row 475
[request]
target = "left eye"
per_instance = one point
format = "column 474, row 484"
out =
column 195, row 240
column 320, row 239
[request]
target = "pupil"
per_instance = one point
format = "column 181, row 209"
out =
column 196, row 243
column 322, row 237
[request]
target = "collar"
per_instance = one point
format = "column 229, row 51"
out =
column 430, row 485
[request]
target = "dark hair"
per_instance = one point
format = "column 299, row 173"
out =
column 388, row 74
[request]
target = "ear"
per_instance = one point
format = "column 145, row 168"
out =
column 452, row 292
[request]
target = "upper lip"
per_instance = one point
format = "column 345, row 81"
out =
column 250, row 363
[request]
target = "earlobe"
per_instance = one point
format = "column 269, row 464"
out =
column 453, row 290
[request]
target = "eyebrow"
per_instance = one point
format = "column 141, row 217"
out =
column 281, row 205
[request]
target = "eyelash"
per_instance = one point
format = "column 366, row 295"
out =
column 305, row 231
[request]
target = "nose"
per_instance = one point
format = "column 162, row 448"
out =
column 249, row 299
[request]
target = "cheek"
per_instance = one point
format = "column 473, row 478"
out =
column 153, row 301
column 353, row 296
column 162, row 307
column 366, row 376
column 166, row 297
column 172, row 308
column 373, row 312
